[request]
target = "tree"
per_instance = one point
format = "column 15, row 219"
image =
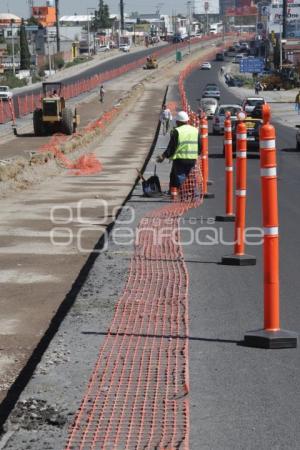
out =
column 32, row 21
column 101, row 19
column 24, row 49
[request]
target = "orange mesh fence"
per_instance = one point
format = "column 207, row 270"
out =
column 6, row 111
column 87, row 164
column 136, row 396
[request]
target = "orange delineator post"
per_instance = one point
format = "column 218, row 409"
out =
column 229, row 213
column 271, row 336
column 174, row 193
column 241, row 189
column 204, row 155
column 239, row 258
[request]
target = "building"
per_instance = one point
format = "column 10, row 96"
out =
column 7, row 20
column 10, row 26
column 45, row 15
column 76, row 20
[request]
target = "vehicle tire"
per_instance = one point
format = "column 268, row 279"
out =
column 67, row 121
column 38, row 126
column 298, row 146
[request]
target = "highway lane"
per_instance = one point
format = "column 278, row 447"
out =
column 242, row 398
column 110, row 64
column 103, row 66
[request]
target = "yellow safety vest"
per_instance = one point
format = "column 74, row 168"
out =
column 187, row 143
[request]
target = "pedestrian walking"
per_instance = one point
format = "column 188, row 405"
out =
column 102, row 93
column 183, row 149
column 257, row 87
column 165, row 119
column 297, row 102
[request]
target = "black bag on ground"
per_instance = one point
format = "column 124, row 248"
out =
column 151, row 187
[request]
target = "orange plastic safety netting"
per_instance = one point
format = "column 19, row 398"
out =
column 137, row 395
column 87, row 164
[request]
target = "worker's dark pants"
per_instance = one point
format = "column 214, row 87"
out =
column 180, row 171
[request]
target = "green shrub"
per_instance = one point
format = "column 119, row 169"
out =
column 13, row 82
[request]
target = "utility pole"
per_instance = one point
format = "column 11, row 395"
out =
column 49, row 55
column 284, row 14
column 13, row 47
column 189, row 19
column 122, row 15
column 57, row 26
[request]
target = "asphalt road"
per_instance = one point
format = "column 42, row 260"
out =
column 242, row 398
column 103, row 66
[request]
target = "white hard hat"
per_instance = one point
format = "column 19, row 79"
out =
column 182, row 116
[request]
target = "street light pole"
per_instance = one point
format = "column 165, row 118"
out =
column 89, row 30
column 13, row 48
column 49, row 55
column 189, row 18
column 57, row 26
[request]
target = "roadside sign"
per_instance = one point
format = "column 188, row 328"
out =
column 251, row 65
column 31, row 27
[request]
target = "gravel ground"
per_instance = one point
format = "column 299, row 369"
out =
column 57, row 387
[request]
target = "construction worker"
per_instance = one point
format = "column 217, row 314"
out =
column 183, row 149
column 102, row 93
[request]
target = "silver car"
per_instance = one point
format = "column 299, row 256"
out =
column 209, row 106
column 211, row 92
column 219, row 118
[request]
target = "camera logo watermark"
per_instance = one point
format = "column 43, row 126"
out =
column 80, row 224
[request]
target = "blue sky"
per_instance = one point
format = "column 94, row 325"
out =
column 20, row 7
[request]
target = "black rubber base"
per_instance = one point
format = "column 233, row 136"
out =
column 234, row 260
column 225, row 218
column 209, row 195
column 271, row 339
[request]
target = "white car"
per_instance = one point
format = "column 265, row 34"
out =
column 205, row 66
column 209, row 106
column 103, row 48
column 238, row 58
column 219, row 118
column 250, row 103
column 212, row 92
column 124, row 48
column 5, row 93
